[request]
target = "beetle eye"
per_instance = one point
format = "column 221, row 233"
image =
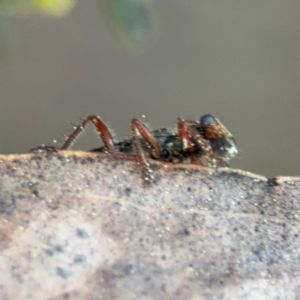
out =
column 207, row 120
column 165, row 154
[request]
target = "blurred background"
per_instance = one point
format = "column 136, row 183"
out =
column 238, row 60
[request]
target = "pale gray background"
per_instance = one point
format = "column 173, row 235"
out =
column 238, row 60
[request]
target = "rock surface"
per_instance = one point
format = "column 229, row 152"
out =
column 79, row 225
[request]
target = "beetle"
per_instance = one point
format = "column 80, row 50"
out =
column 206, row 142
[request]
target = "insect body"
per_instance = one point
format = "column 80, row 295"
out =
column 211, row 151
column 171, row 146
column 205, row 142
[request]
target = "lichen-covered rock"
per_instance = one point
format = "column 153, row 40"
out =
column 79, row 225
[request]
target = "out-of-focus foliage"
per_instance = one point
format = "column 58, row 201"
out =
column 134, row 21
column 27, row 7
column 51, row 7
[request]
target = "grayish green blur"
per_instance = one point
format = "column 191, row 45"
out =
column 133, row 21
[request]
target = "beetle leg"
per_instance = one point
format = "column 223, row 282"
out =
column 102, row 129
column 137, row 129
column 148, row 137
column 195, row 160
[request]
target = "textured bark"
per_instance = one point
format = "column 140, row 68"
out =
column 79, row 225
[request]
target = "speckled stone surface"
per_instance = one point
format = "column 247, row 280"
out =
column 78, row 225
